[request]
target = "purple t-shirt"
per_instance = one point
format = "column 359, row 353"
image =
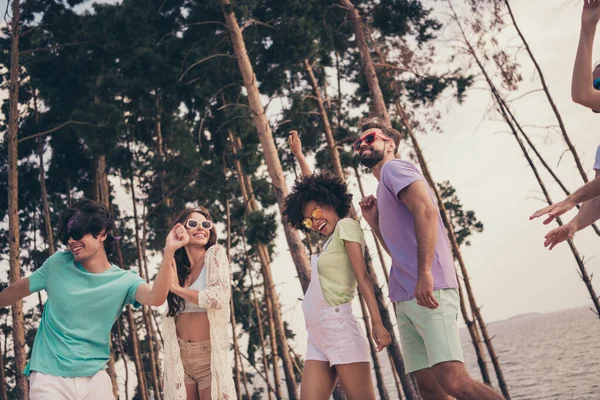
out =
column 397, row 225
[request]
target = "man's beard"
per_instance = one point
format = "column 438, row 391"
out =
column 372, row 159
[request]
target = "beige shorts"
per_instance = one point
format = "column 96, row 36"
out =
column 43, row 387
column 195, row 357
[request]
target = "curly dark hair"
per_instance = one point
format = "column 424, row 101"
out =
column 324, row 189
column 86, row 216
column 177, row 304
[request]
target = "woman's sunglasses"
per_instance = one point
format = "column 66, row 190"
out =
column 192, row 223
column 317, row 213
column 597, row 83
column 368, row 139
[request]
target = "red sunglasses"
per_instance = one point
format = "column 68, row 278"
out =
column 368, row 139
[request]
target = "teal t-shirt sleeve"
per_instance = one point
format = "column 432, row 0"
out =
column 136, row 281
column 351, row 231
column 39, row 278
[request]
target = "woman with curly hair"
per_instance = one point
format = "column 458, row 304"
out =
column 337, row 345
column 197, row 363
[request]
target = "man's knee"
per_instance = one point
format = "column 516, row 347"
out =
column 454, row 379
column 429, row 387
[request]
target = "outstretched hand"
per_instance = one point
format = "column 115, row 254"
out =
column 295, row 143
column 591, row 12
column 560, row 234
column 554, row 211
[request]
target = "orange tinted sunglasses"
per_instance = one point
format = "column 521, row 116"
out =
column 317, row 213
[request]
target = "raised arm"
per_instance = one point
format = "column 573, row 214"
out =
column 585, row 193
column 296, row 148
column 156, row 293
column 15, row 292
column 582, row 90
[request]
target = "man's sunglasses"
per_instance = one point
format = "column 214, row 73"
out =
column 368, row 139
column 597, row 83
column 317, row 213
column 76, row 234
column 192, row 223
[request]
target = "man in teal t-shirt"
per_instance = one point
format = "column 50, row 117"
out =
column 86, row 295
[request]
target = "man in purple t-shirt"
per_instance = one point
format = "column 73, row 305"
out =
column 423, row 284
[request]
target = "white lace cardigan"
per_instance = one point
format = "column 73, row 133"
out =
column 215, row 298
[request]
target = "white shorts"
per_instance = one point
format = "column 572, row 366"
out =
column 44, row 387
column 337, row 338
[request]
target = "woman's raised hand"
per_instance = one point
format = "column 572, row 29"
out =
column 295, row 143
column 591, row 12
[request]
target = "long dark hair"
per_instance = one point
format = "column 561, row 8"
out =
column 184, row 267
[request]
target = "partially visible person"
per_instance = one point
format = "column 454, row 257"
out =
column 585, row 81
column 337, row 346
column 86, row 295
column 423, row 282
column 197, row 362
column 589, row 212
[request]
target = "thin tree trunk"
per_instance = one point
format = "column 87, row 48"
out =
column 333, row 152
column 379, row 107
column 13, row 203
column 273, row 307
column 548, row 95
column 122, row 350
column 261, row 334
column 396, row 377
column 383, row 394
column 272, row 336
column 475, row 339
column 44, row 192
column 160, row 153
column 135, row 343
column 375, row 238
column 3, row 393
column 236, row 348
column 273, row 163
column 152, row 341
column 101, row 192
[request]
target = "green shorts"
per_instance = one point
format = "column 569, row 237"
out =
column 429, row 337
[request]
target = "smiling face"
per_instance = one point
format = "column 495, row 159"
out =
column 87, row 247
column 199, row 236
column 326, row 221
column 371, row 154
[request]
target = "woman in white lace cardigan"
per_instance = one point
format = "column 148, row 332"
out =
column 196, row 359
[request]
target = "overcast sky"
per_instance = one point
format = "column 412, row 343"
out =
column 512, row 273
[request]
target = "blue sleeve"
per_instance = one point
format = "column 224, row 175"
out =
column 135, row 282
column 39, row 279
column 398, row 174
column 597, row 161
